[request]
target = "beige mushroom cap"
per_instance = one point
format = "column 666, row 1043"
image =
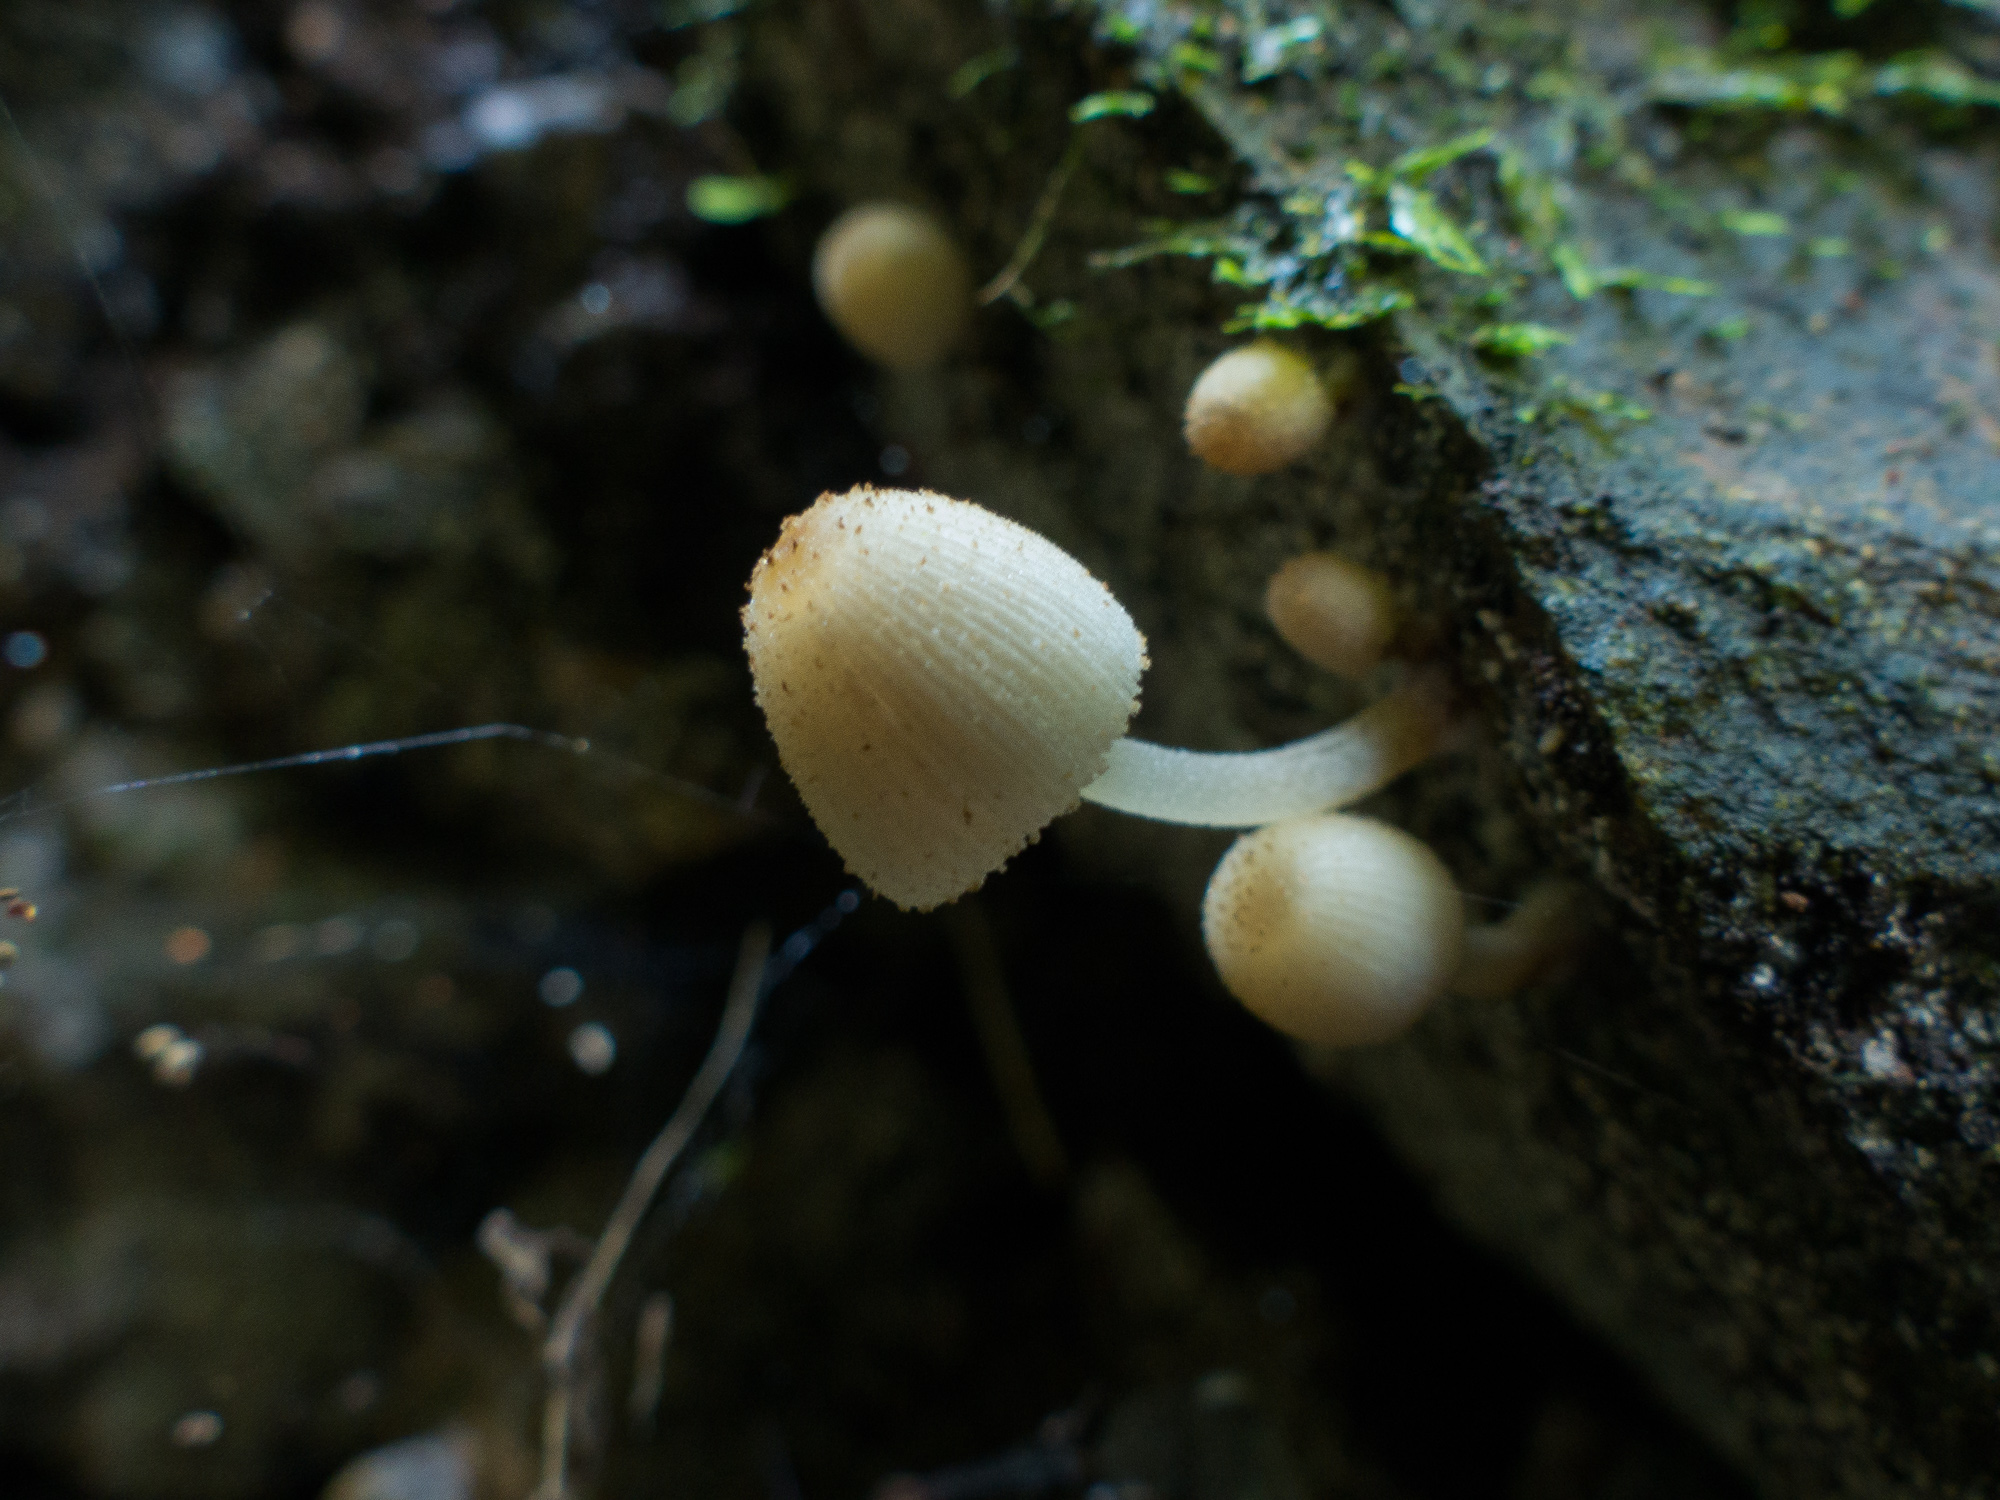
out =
column 1333, row 612
column 894, row 282
column 1256, row 409
column 941, row 683
column 1337, row 930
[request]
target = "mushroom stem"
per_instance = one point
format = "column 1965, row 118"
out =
column 1247, row 789
column 1502, row 958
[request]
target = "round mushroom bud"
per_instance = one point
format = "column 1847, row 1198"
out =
column 894, row 282
column 1256, row 409
column 1336, row 930
column 1335, row 613
column 941, row 683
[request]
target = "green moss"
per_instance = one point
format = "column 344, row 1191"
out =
column 736, row 200
column 1512, row 123
column 1131, row 104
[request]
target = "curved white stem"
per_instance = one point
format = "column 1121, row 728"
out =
column 1247, row 789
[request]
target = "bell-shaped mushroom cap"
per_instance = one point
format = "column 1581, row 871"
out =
column 941, row 683
column 894, row 283
column 1337, row 930
column 1256, row 409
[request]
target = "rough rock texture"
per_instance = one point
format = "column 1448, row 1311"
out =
column 1719, row 572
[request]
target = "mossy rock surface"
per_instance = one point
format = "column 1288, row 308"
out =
column 1718, row 562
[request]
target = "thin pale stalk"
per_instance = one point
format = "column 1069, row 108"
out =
column 1247, row 789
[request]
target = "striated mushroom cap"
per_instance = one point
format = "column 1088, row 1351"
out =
column 894, row 282
column 1256, row 409
column 941, row 683
column 1337, row 930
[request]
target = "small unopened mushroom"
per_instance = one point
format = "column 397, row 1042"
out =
column 894, row 282
column 1336, row 930
column 1333, row 612
column 1256, row 409
column 942, row 683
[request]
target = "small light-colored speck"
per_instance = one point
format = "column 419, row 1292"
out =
column 196, row 1429
column 178, row 1062
column 560, row 987
column 154, row 1040
column 336, row 936
column 593, row 1048
column 187, row 945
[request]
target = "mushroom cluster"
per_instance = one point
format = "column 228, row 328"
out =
column 942, row 683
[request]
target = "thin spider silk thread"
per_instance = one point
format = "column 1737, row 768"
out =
column 20, row 804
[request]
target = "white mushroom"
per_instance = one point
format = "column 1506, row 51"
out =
column 942, row 683
column 1340, row 931
column 1336, row 930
